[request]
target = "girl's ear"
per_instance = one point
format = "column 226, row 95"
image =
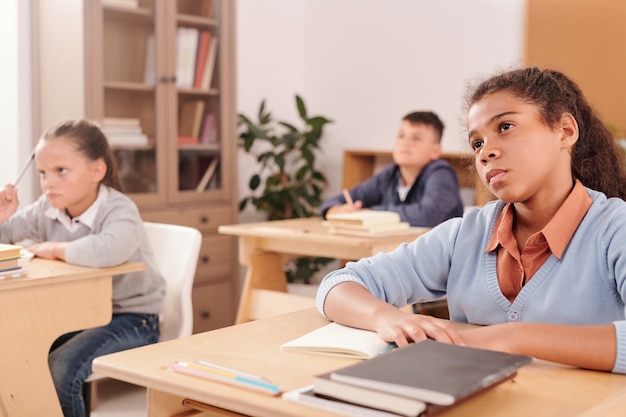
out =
column 98, row 170
column 569, row 130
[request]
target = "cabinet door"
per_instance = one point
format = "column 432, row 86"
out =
column 202, row 146
column 123, row 91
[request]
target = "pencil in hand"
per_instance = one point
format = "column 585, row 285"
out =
column 348, row 197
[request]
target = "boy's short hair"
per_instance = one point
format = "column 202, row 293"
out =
column 427, row 118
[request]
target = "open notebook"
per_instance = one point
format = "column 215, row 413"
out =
column 337, row 340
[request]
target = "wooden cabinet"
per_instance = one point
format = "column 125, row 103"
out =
column 358, row 165
column 137, row 62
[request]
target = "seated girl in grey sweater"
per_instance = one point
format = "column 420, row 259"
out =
column 83, row 218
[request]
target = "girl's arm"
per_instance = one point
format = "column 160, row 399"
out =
column 590, row 347
column 49, row 250
column 352, row 304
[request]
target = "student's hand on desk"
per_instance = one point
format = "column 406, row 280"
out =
column 404, row 328
column 346, row 208
column 49, row 250
column 8, row 202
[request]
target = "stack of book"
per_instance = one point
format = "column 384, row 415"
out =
column 367, row 223
column 124, row 131
column 10, row 264
column 408, row 381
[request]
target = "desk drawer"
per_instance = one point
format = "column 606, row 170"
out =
column 213, row 306
column 205, row 219
column 217, row 257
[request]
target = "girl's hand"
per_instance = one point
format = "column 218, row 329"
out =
column 8, row 202
column 404, row 328
column 49, row 250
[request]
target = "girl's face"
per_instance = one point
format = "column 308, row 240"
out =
column 67, row 177
column 518, row 156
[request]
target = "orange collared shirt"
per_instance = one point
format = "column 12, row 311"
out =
column 515, row 269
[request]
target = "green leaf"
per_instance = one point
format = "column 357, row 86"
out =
column 301, row 107
column 255, row 181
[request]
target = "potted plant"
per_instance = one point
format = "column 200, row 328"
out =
column 287, row 183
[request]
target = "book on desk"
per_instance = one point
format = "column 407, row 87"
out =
column 405, row 381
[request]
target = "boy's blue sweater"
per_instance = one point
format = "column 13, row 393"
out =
column 433, row 198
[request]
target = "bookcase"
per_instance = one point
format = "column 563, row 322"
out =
column 146, row 66
column 358, row 165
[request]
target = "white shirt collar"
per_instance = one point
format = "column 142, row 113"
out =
column 87, row 218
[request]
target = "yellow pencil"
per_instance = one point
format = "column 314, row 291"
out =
column 346, row 195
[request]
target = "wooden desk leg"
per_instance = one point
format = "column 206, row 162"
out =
column 265, row 271
column 31, row 318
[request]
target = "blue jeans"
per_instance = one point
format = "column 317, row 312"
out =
column 71, row 354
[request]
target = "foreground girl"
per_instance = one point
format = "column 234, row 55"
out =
column 544, row 266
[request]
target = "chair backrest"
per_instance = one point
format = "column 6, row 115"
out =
column 176, row 250
column 267, row 303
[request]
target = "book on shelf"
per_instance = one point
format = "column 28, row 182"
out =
column 121, row 121
column 208, row 133
column 124, row 132
column 201, row 59
column 131, row 4
column 209, row 66
column 363, row 218
column 405, row 406
column 335, row 339
column 434, row 372
column 190, row 119
column 209, row 174
column 186, row 51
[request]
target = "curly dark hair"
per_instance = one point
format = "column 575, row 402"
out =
column 596, row 159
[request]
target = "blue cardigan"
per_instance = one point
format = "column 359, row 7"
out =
column 433, row 198
column 587, row 286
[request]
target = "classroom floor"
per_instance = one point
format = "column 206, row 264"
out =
column 119, row 399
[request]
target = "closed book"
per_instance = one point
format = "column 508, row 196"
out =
column 203, row 50
column 324, row 385
column 364, row 217
column 209, row 66
column 335, row 339
column 8, row 251
column 9, row 263
column 190, row 118
column 306, row 396
column 373, row 230
column 433, row 372
column 187, row 46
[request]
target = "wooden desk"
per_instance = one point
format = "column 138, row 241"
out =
column 264, row 247
column 55, row 298
column 541, row 389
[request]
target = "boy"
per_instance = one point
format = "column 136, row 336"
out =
column 419, row 186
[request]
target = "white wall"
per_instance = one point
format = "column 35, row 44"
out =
column 366, row 63
column 16, row 117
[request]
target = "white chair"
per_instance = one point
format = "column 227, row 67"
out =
column 176, row 250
